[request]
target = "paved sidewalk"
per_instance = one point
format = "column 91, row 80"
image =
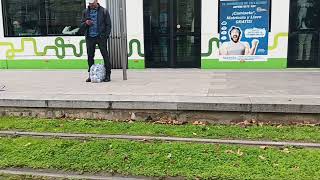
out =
column 171, row 86
column 167, row 82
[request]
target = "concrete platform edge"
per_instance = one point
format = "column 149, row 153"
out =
column 215, row 104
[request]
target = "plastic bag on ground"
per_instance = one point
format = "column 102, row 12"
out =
column 97, row 73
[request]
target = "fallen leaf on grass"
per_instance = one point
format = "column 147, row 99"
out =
column 286, row 150
column 247, row 123
column 28, row 144
column 262, row 158
column 310, row 125
column 199, row 123
column 229, row 152
column 173, row 122
column 239, row 152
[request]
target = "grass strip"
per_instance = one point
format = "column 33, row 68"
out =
column 266, row 132
column 160, row 159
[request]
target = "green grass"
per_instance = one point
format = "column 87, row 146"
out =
column 159, row 159
column 283, row 133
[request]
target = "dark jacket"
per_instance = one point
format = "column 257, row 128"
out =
column 103, row 19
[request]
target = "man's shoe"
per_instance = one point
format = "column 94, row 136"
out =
column 88, row 80
column 107, row 79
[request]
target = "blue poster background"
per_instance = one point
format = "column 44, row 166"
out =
column 251, row 16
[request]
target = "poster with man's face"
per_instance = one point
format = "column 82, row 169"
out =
column 244, row 29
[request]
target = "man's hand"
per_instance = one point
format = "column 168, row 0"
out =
column 89, row 22
column 67, row 30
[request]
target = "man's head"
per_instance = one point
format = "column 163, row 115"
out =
column 235, row 34
column 16, row 24
column 93, row 4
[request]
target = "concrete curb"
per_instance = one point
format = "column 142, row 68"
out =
column 175, row 103
column 153, row 138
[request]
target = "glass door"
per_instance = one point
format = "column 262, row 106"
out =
column 156, row 33
column 187, row 33
column 172, row 33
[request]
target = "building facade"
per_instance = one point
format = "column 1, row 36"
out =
column 207, row 34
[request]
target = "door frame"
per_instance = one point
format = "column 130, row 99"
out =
column 172, row 34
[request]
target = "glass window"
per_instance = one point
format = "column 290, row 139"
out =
column 304, row 15
column 41, row 17
column 64, row 16
column 303, row 46
column 22, row 18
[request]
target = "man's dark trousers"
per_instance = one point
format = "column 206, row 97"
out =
column 91, row 48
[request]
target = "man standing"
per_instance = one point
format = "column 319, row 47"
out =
column 96, row 24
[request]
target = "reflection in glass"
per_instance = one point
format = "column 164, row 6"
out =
column 23, row 17
column 304, row 22
column 185, row 47
column 63, row 16
column 188, row 46
column 304, row 32
column 185, row 15
column 163, row 29
column 156, row 28
column 41, row 17
column 304, row 6
column 304, row 47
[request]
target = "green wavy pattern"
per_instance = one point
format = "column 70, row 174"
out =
column 210, row 49
column 62, row 46
column 59, row 44
column 139, row 49
column 276, row 40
